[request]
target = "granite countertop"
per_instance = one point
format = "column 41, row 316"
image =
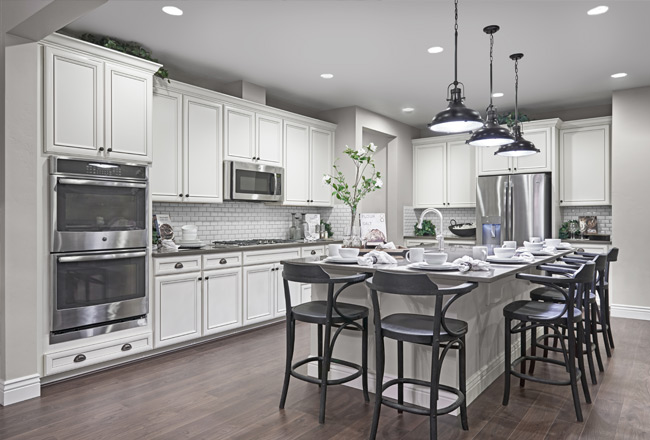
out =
column 210, row 249
column 497, row 272
column 584, row 241
column 446, row 237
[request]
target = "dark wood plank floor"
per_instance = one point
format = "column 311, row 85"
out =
column 230, row 389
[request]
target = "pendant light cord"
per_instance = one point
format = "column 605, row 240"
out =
column 455, row 43
column 491, row 58
column 516, row 92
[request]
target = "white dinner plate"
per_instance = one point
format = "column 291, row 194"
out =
column 341, row 260
column 446, row 267
column 511, row 260
column 542, row 253
column 564, row 247
column 193, row 244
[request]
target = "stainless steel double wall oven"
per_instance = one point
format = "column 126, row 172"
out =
column 99, row 234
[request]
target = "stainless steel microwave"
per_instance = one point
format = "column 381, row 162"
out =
column 252, row 182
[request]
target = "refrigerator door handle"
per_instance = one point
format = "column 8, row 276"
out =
column 511, row 208
column 508, row 212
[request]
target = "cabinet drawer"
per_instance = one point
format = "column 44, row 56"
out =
column 221, row 261
column 270, row 256
column 180, row 264
column 312, row 251
column 94, row 354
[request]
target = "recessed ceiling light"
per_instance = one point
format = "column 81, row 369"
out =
column 619, row 75
column 435, row 49
column 408, row 110
column 172, row 10
column 326, row 76
column 497, row 95
column 598, row 10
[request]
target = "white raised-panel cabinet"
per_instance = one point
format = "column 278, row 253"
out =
column 585, row 165
column 539, row 162
column 429, row 175
column 305, row 293
column 321, row 164
column 202, row 140
column 166, row 172
column 297, row 169
column 222, row 299
column 269, row 139
column 259, row 291
column 74, row 103
column 461, row 175
column 128, row 104
column 489, row 163
column 239, row 134
column 177, row 308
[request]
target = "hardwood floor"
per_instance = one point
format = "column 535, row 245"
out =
column 230, row 389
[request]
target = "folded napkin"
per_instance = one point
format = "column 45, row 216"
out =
column 169, row 245
column 389, row 245
column 375, row 257
column 527, row 257
column 467, row 263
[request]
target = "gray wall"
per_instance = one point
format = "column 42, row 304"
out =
column 630, row 189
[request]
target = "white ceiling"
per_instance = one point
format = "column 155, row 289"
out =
column 377, row 50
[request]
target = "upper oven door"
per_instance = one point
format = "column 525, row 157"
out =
column 97, row 214
column 255, row 182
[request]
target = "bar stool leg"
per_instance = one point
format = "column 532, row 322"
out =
column 327, row 355
column 400, row 374
column 533, row 349
column 379, row 381
column 588, row 342
column 291, row 328
column 581, row 365
column 320, row 353
column 607, row 317
column 364, row 360
column 522, row 337
column 604, row 324
column 433, row 397
column 462, row 383
column 508, row 364
column 594, row 336
column 572, row 366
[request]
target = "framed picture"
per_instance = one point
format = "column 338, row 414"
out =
column 373, row 228
column 588, row 225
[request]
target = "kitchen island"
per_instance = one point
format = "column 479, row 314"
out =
column 481, row 309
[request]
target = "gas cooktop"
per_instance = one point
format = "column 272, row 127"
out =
column 253, row 242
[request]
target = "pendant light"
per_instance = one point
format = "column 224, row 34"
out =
column 456, row 118
column 520, row 147
column 491, row 134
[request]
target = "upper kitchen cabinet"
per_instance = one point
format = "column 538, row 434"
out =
column 167, row 170
column 585, row 162
column 97, row 102
column 251, row 136
column 444, row 173
column 308, row 152
column 542, row 133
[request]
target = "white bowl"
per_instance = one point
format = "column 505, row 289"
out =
column 348, row 252
column 504, row 252
column 533, row 247
column 189, row 232
column 435, row 258
column 553, row 242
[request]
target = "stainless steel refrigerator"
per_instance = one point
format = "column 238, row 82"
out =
column 512, row 207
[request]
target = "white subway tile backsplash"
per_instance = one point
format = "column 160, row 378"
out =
column 603, row 213
column 461, row 215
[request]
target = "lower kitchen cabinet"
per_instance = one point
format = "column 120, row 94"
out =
column 177, row 312
column 222, row 299
column 260, row 286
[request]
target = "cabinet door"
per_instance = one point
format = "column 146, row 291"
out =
column 461, row 175
column 584, row 166
column 128, row 113
column 429, row 175
column 74, row 103
column 305, row 293
column 259, row 288
column 539, row 162
column 222, row 298
column 269, row 139
column 294, row 292
column 296, row 152
column 202, row 140
column 239, row 134
column 489, row 163
column 321, row 164
column 166, row 173
column 177, row 308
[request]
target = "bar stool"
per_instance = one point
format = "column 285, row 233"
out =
column 589, row 306
column 534, row 314
column 435, row 331
column 325, row 314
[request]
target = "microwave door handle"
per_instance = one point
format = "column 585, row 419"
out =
column 82, row 258
column 274, row 184
column 88, row 182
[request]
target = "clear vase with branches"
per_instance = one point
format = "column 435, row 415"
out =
column 366, row 179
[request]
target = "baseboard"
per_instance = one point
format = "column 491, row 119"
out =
column 630, row 312
column 17, row 390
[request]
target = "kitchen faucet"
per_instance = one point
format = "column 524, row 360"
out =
column 441, row 240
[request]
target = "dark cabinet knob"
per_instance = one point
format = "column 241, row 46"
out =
column 187, row 195
column 80, row 358
column 515, row 169
column 180, row 195
column 126, row 347
column 561, row 201
column 207, row 278
column 110, row 149
column 223, row 261
column 313, row 252
column 178, row 266
column 101, row 148
column 200, row 278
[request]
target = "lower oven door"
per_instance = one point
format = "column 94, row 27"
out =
column 94, row 288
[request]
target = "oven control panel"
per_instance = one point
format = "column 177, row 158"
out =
column 98, row 168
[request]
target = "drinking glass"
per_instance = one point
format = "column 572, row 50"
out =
column 573, row 228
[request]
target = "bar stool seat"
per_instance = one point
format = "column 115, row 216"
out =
column 549, row 311
column 315, row 312
column 418, row 329
column 552, row 295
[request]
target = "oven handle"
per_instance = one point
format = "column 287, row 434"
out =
column 80, row 258
column 86, row 182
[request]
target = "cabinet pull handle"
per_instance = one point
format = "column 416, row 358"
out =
column 178, row 266
column 126, row 347
column 313, row 252
column 515, row 169
column 223, row 261
column 180, row 195
column 561, row 201
column 80, row 358
column 101, row 148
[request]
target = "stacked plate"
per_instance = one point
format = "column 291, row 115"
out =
column 445, row 267
column 192, row 244
column 341, row 260
column 511, row 260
